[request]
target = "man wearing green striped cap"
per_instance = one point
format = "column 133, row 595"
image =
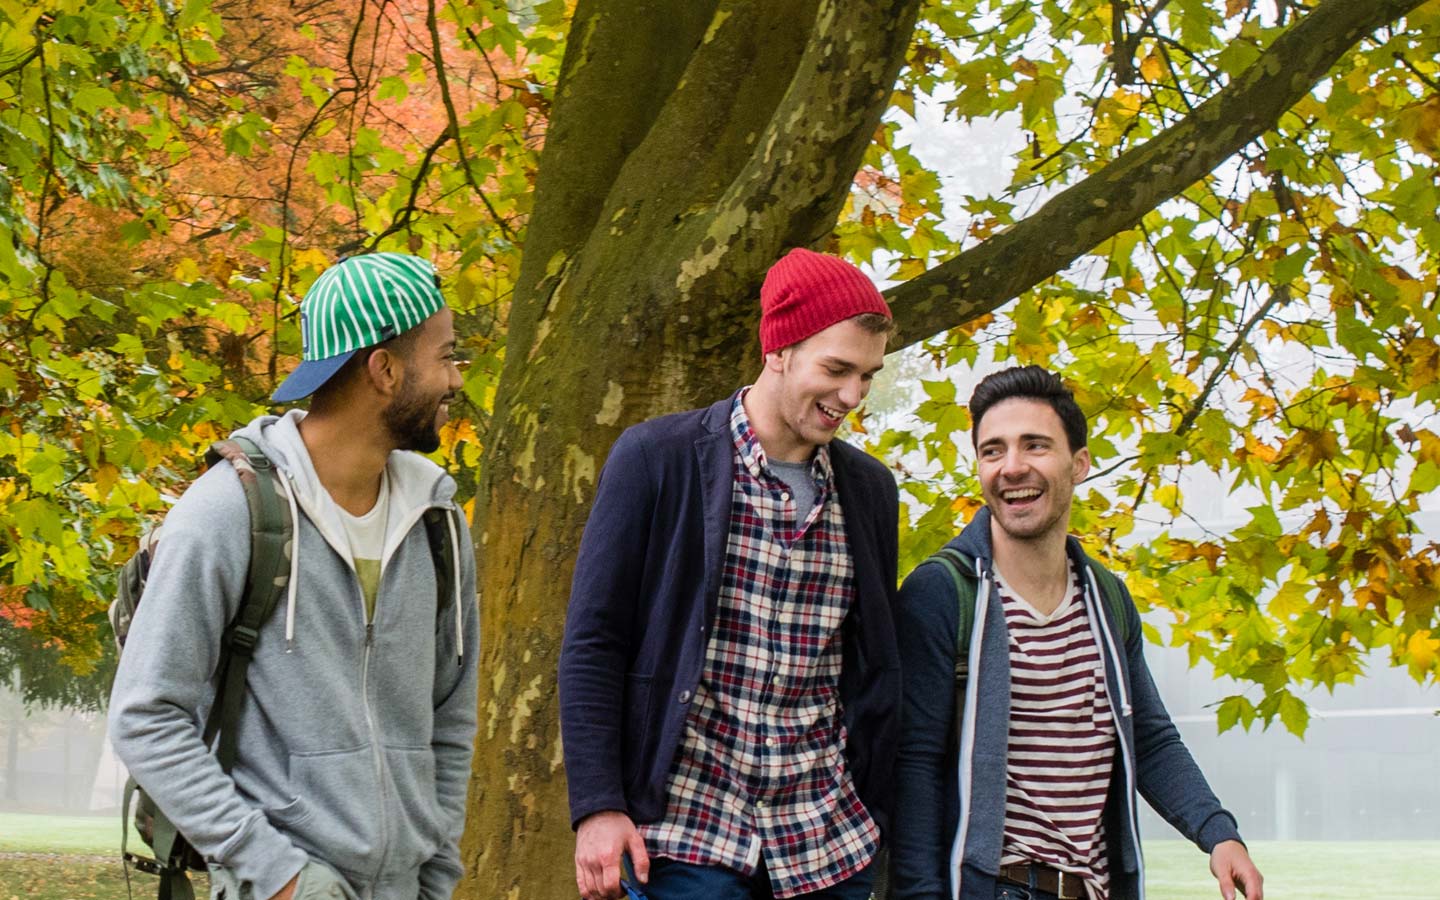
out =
column 355, row 734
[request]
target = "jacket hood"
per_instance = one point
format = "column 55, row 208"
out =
column 415, row 483
column 974, row 541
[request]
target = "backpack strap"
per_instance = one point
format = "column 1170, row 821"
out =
column 438, row 533
column 271, row 531
column 962, row 572
column 442, row 552
column 1113, row 594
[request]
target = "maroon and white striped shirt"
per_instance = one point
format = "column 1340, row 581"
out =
column 1062, row 740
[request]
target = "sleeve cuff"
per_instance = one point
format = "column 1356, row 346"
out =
column 1219, row 828
column 263, row 857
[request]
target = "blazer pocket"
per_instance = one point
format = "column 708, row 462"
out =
column 636, row 724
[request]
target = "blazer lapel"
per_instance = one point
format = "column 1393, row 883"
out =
column 715, row 457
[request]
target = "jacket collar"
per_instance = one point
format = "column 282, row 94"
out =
column 974, row 541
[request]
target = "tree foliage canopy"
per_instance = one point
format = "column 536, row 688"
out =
column 1220, row 225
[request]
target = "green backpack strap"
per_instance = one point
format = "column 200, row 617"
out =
column 442, row 553
column 271, row 531
column 962, row 572
column 1113, row 594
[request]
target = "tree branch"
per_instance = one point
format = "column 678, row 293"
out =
column 622, row 62
column 1117, row 197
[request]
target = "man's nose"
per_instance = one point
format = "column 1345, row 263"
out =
column 1013, row 464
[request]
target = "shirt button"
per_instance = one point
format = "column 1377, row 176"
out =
column 770, row 742
column 774, row 679
column 784, row 495
column 684, row 696
column 759, row 804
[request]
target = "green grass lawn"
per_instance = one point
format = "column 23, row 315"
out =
column 72, row 868
column 21, row 833
column 70, row 858
column 1305, row 870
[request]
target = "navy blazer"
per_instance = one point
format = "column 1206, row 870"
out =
column 644, row 599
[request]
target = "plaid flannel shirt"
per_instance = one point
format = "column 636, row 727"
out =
column 761, row 769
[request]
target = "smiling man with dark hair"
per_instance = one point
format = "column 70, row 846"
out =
column 1018, row 779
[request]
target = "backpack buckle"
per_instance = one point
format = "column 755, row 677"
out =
column 243, row 639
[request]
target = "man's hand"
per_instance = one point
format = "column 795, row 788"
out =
column 288, row 891
column 600, row 841
column 1230, row 864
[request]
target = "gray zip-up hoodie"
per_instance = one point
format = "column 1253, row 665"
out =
column 355, row 737
column 950, row 800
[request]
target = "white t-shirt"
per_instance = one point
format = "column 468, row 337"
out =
column 367, row 543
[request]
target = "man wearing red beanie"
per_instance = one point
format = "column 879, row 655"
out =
column 729, row 680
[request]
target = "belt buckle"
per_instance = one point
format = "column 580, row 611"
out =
column 1067, row 886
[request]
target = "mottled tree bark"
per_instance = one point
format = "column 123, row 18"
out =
column 689, row 146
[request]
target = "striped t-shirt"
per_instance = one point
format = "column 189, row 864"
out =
column 1062, row 740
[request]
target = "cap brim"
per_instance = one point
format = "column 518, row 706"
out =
column 309, row 376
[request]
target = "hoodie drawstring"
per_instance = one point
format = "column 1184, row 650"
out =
column 459, row 613
column 291, row 588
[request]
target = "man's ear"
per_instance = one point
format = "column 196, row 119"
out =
column 1081, row 463
column 385, row 370
column 775, row 360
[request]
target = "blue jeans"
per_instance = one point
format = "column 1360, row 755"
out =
column 671, row 880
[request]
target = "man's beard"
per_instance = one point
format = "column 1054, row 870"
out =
column 410, row 419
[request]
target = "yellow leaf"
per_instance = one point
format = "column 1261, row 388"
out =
column 1429, row 446
column 187, row 270
column 1151, row 69
column 311, row 259
column 910, row 267
column 1235, row 7
column 1421, row 649
column 1127, row 103
column 1263, row 403
column 1419, row 124
column 1025, row 67
column 105, row 477
column 1169, row 497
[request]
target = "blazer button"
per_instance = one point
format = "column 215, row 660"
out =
column 684, row 696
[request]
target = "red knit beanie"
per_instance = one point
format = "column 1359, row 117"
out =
column 806, row 292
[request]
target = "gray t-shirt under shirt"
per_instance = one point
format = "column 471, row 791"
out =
column 797, row 476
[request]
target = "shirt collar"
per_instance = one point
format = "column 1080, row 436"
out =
column 752, row 455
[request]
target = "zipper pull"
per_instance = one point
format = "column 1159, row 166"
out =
column 369, row 634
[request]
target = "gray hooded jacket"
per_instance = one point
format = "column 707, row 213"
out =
column 355, row 737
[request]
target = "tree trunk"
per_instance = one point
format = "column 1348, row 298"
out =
column 656, row 216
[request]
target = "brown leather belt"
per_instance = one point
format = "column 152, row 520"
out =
column 1052, row 881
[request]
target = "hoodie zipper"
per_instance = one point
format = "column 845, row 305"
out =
column 374, row 731
column 407, row 525
column 1123, row 711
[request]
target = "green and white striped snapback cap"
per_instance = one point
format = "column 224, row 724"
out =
column 357, row 303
